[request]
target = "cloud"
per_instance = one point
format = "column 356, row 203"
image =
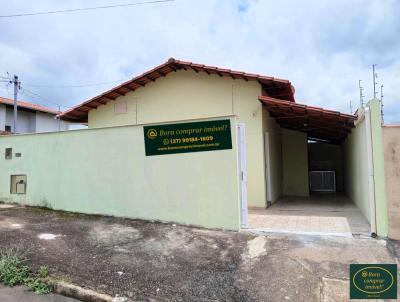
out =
column 324, row 48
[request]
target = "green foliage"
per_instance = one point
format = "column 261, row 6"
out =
column 37, row 286
column 12, row 268
column 13, row 271
column 43, row 272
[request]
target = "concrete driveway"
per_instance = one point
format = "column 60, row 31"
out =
column 165, row 262
column 323, row 214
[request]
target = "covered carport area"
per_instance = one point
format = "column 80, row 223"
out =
column 314, row 180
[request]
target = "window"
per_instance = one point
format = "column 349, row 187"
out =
column 7, row 128
column 18, row 154
column 8, row 153
column 120, row 107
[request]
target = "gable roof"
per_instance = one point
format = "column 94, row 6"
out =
column 30, row 106
column 278, row 88
column 318, row 123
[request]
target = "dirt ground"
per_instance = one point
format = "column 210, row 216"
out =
column 147, row 261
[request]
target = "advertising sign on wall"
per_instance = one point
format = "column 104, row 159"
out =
column 187, row 137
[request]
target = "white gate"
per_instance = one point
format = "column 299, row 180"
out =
column 322, row 181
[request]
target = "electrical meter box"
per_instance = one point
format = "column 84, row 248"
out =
column 18, row 184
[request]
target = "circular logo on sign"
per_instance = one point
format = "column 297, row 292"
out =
column 373, row 280
column 166, row 141
column 152, row 133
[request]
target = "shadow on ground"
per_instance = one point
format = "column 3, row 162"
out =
column 164, row 262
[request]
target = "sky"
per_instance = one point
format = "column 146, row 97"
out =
column 323, row 47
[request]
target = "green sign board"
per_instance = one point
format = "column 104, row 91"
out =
column 187, row 137
column 373, row 281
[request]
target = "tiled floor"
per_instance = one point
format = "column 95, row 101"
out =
column 321, row 214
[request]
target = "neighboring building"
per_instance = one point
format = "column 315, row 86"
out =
column 31, row 118
column 278, row 157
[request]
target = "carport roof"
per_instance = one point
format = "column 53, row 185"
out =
column 318, row 123
column 279, row 88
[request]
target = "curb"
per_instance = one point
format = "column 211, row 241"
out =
column 80, row 293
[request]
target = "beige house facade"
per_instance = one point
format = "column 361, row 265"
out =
column 187, row 94
column 287, row 166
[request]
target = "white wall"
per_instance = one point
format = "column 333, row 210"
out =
column 106, row 171
column 391, row 138
column 295, row 163
column 356, row 167
column 274, row 184
column 47, row 123
column 2, row 117
column 31, row 122
column 26, row 121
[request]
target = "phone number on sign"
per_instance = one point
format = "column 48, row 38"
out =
column 191, row 139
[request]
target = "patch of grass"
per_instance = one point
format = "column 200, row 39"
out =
column 43, row 272
column 13, row 271
column 37, row 286
column 12, row 268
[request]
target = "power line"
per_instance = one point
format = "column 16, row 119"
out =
column 32, row 94
column 110, row 82
column 84, row 9
column 31, row 97
column 6, row 78
column 6, row 87
column 75, row 85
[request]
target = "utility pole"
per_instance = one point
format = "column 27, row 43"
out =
column 351, row 108
column 374, row 77
column 16, row 87
column 382, row 103
column 361, row 93
column 59, row 120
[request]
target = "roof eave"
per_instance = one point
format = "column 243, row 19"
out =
column 161, row 71
column 317, row 122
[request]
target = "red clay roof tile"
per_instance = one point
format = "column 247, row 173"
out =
column 318, row 123
column 27, row 105
column 284, row 90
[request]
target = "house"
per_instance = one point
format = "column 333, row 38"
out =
column 272, row 164
column 31, row 118
column 288, row 144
